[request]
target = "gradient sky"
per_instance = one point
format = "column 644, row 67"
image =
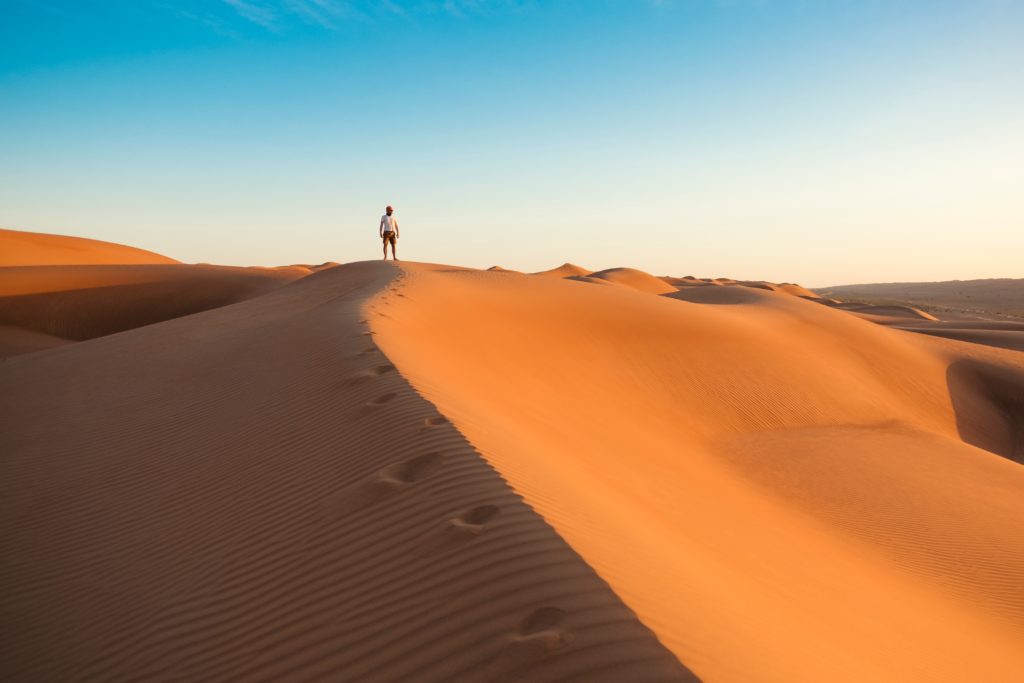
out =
column 820, row 142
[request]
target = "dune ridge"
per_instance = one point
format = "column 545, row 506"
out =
column 780, row 490
column 255, row 492
column 22, row 248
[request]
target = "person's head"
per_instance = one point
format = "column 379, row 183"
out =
column 389, row 210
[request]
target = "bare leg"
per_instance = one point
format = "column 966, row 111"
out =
column 385, row 249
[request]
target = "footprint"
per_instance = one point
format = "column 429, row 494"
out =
column 540, row 634
column 381, row 400
column 381, row 485
column 414, row 469
column 460, row 530
column 478, row 516
column 542, row 619
column 435, row 421
column 364, row 375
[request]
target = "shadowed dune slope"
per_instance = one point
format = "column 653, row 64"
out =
column 254, row 493
column 15, row 341
column 82, row 302
column 19, row 248
column 780, row 490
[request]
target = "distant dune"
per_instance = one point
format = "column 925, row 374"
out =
column 19, row 248
column 993, row 299
column 82, row 302
column 413, row 472
column 103, row 288
column 633, row 279
column 989, row 312
column 565, row 270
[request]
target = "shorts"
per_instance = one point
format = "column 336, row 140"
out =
column 389, row 236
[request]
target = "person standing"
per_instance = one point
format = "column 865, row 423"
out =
column 389, row 232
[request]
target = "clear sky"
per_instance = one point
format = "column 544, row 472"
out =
column 823, row 142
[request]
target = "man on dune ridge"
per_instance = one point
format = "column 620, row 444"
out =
column 389, row 232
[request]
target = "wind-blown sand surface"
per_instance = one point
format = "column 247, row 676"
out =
column 426, row 473
column 255, row 493
column 780, row 490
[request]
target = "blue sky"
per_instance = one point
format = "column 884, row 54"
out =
column 819, row 142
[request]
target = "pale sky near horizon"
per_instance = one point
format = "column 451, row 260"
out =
column 823, row 143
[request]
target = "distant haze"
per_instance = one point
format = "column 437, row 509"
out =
column 819, row 143
column 998, row 298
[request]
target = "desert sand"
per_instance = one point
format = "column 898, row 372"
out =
column 414, row 472
column 990, row 299
column 988, row 312
column 20, row 248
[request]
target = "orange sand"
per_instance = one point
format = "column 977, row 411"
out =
column 19, row 248
column 780, row 490
column 373, row 472
column 82, row 302
column 253, row 493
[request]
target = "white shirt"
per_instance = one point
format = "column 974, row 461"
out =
column 388, row 222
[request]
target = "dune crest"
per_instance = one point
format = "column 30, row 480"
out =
column 20, row 248
column 633, row 279
column 565, row 270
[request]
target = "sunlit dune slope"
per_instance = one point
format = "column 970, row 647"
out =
column 634, row 279
column 565, row 270
column 19, row 248
column 254, row 493
column 782, row 491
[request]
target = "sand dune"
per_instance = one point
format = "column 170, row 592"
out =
column 15, row 341
column 1003, row 333
column 565, row 270
column 254, row 493
column 1000, row 335
column 781, row 491
column 633, row 279
column 19, row 248
column 885, row 310
column 83, row 302
column 990, row 299
column 373, row 472
column 118, row 288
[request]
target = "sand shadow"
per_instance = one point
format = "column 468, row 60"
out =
column 988, row 400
